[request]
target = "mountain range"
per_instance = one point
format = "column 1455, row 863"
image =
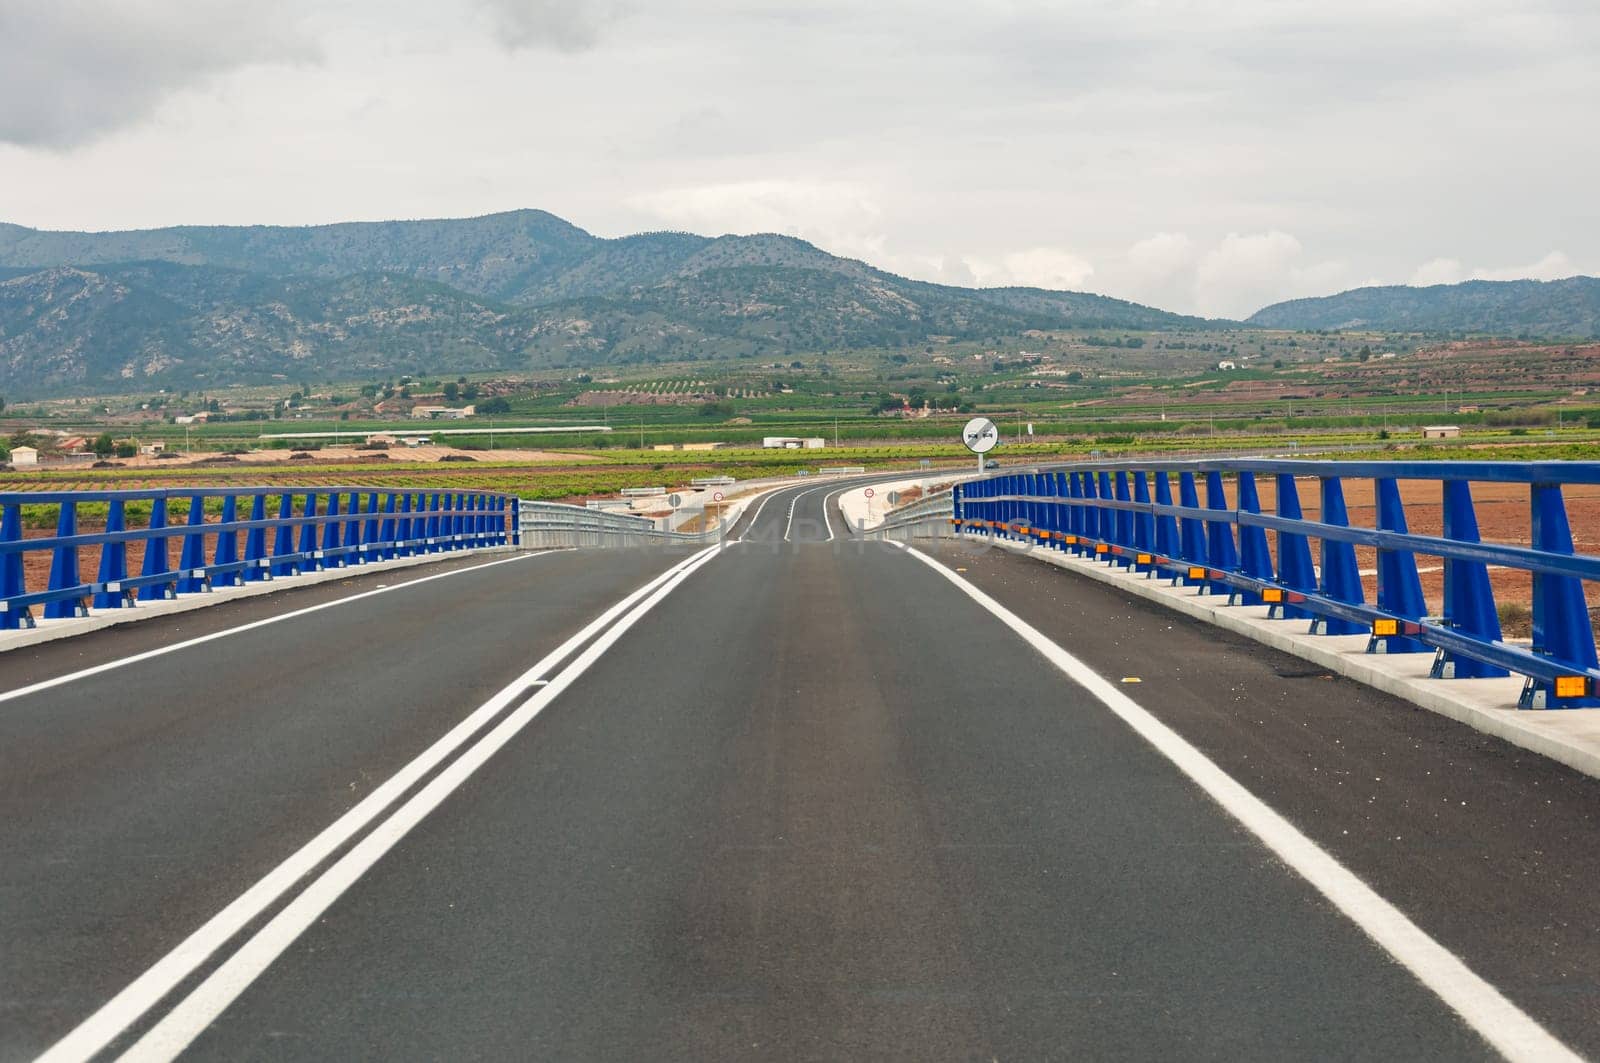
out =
column 214, row 305
column 525, row 289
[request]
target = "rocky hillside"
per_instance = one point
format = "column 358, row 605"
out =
column 217, row 305
column 1536, row 309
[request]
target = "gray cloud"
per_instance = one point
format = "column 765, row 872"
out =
column 1206, row 157
column 561, row 25
column 72, row 70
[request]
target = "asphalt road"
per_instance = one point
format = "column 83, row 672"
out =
column 809, row 801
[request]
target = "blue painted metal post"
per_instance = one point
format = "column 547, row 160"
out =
column 113, row 559
column 155, row 554
column 330, row 535
column 1168, row 544
column 403, row 527
column 1123, row 521
column 1221, row 555
column 193, row 557
column 283, row 538
column 369, row 529
column 64, row 566
column 1255, row 556
column 1091, row 512
column 1468, row 596
column 1295, row 568
column 1341, row 579
column 12, row 584
column 1144, row 524
column 227, row 551
column 1561, row 625
column 1108, row 517
column 433, row 524
column 352, row 531
column 1399, row 586
column 1078, row 517
column 1192, row 530
column 308, row 535
column 255, row 540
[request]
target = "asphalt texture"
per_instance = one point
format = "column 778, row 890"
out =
column 815, row 804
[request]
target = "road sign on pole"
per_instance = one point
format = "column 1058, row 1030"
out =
column 980, row 435
column 674, row 501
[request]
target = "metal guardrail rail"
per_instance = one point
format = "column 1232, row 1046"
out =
column 544, row 525
column 312, row 529
column 926, row 518
column 1125, row 514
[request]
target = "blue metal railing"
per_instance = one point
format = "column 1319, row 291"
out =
column 285, row 532
column 1127, row 514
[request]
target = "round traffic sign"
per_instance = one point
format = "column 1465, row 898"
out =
column 980, row 435
column 674, row 501
column 894, row 498
column 869, row 492
column 717, row 496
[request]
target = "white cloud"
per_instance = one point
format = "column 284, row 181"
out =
column 1554, row 266
column 1037, row 267
column 808, row 209
column 1245, row 272
column 1437, row 271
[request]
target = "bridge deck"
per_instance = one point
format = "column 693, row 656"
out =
column 815, row 802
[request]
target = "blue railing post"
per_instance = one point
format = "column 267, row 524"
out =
column 227, row 551
column 193, row 557
column 1078, row 517
column 369, row 529
column 155, row 554
column 1255, row 556
column 403, row 527
column 1192, row 530
column 386, row 532
column 330, row 535
column 1108, row 516
column 434, row 506
column 64, row 566
column 1144, row 524
column 308, row 535
column 12, row 584
column 1561, row 625
column 1468, row 597
column 352, row 531
column 1399, row 586
column 1123, row 522
column 1168, row 544
column 113, row 560
column 1221, row 556
column 1295, row 568
column 283, row 538
column 255, row 540
column 1341, row 578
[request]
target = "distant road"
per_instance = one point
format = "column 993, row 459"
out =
column 804, row 798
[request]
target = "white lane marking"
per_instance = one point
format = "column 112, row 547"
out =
column 144, row 992
column 123, row 662
column 1508, row 1028
column 180, row 1026
column 796, row 502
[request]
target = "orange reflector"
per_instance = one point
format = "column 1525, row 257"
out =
column 1386, row 627
column 1070, row 540
column 1571, row 686
column 1102, row 548
column 1144, row 559
column 1196, row 573
column 1024, row 530
column 1271, row 595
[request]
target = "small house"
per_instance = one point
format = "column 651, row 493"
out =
column 24, row 456
column 1441, row 431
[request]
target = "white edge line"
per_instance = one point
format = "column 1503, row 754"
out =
column 144, row 992
column 122, row 662
column 1509, row 1029
column 180, row 1026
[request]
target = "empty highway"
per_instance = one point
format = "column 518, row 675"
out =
column 800, row 796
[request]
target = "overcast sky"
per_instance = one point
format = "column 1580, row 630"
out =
column 1208, row 156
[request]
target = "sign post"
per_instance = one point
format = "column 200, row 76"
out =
column 980, row 435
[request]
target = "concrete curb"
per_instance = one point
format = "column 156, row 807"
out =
column 1570, row 736
column 51, row 630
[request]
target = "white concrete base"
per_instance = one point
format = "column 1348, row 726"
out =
column 50, row 630
column 1571, row 736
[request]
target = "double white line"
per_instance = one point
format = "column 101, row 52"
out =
column 193, row 1013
